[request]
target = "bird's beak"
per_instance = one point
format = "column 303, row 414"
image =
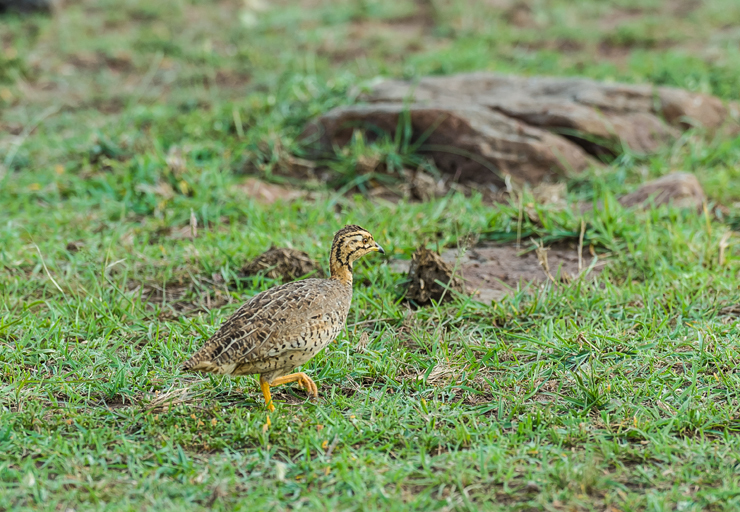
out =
column 378, row 248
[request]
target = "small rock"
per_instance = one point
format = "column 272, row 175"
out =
column 282, row 263
column 428, row 267
column 678, row 188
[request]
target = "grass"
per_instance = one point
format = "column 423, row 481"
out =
column 120, row 120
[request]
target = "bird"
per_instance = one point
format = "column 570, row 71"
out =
column 285, row 326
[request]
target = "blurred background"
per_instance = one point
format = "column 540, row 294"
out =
column 85, row 86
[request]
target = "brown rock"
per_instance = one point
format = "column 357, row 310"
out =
column 480, row 127
column 683, row 108
column 428, row 267
column 588, row 111
column 471, row 143
column 282, row 263
column 678, row 188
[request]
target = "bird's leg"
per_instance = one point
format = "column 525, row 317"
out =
column 303, row 380
column 266, row 391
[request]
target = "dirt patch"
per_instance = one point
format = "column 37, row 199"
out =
column 562, row 45
column 419, row 185
column 120, row 62
column 430, row 277
column 491, row 271
column 682, row 8
column 283, row 264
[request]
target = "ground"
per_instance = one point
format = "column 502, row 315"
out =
column 121, row 121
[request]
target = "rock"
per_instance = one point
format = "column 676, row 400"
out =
column 25, row 5
column 480, row 127
column 282, row 263
column 471, row 143
column 578, row 108
column 428, row 267
column 678, row 188
column 685, row 109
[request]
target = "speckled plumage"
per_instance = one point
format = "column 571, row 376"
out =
column 287, row 325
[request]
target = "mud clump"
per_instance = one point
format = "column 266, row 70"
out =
column 426, row 272
column 283, row 264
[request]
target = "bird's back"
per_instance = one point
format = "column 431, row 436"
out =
column 285, row 325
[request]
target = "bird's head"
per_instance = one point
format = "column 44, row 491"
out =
column 350, row 244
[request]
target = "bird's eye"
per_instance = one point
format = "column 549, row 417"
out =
column 364, row 240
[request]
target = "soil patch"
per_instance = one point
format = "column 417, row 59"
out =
column 491, row 271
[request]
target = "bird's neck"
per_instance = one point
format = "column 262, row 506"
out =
column 340, row 265
column 341, row 272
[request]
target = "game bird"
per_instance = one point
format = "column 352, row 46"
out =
column 287, row 325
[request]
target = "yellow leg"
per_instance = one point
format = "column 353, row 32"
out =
column 303, row 380
column 266, row 391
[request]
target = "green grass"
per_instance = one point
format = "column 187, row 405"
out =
column 618, row 393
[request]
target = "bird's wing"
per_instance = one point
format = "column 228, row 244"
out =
column 254, row 330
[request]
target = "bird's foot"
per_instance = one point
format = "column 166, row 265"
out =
column 301, row 378
column 309, row 385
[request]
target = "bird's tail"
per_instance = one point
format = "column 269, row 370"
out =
column 200, row 362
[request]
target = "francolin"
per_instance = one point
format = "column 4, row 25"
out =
column 287, row 325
